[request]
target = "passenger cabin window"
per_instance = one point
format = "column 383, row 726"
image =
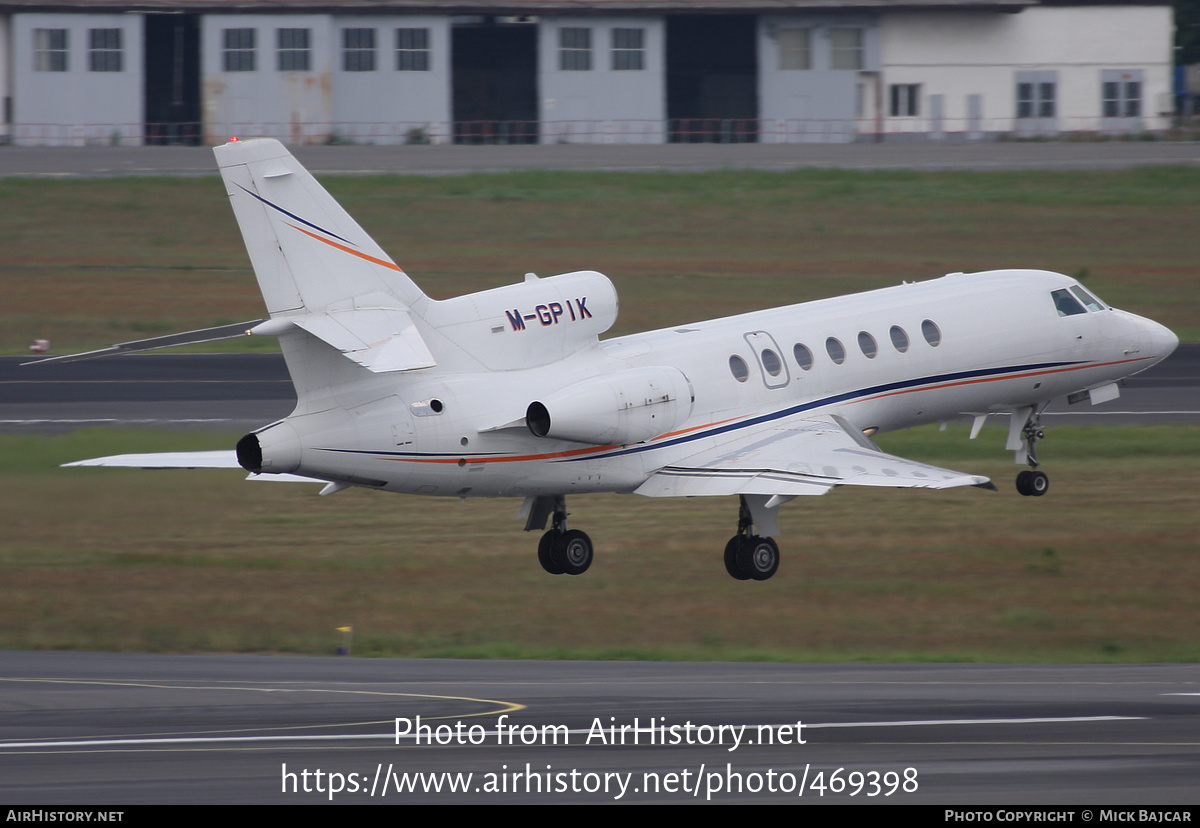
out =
column 1066, row 304
column 803, row 356
column 771, row 362
column 931, row 332
column 836, row 352
column 899, row 338
column 867, row 343
column 739, row 369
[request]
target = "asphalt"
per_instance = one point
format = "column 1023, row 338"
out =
column 94, row 729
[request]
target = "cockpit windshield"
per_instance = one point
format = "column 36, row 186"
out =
column 1075, row 301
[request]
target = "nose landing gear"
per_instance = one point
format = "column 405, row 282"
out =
column 1030, row 483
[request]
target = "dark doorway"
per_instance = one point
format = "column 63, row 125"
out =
column 712, row 78
column 173, row 79
column 495, row 82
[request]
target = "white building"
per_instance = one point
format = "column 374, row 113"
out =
column 394, row 71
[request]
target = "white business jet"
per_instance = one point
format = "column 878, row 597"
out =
column 511, row 392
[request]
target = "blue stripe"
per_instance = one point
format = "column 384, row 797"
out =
column 809, row 406
column 764, row 418
column 296, row 217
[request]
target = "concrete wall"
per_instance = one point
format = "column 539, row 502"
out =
column 385, row 106
column 602, row 104
column 964, row 54
column 77, row 106
column 818, row 103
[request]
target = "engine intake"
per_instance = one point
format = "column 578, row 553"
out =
column 616, row 409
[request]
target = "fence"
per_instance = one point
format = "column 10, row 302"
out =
column 608, row 131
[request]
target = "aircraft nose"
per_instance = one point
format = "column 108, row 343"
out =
column 1162, row 340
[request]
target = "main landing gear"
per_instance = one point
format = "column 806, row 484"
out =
column 1030, row 483
column 561, row 550
column 749, row 556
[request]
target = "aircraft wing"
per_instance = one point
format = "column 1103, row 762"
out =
column 798, row 457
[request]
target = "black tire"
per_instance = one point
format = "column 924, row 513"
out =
column 1023, row 483
column 759, row 557
column 1038, row 483
column 573, row 552
column 731, row 559
column 546, row 553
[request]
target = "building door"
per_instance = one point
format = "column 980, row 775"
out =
column 712, row 78
column 1121, row 100
column 494, row 68
column 172, row 69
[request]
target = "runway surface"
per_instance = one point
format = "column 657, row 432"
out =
column 99, row 729
column 62, row 162
column 245, row 391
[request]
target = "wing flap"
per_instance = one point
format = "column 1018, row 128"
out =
column 801, row 457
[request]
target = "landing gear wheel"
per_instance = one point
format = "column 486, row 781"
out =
column 1033, row 483
column 572, row 550
column 546, row 552
column 1038, row 483
column 758, row 557
column 1023, row 483
column 731, row 558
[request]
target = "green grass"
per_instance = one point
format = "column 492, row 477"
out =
column 1101, row 569
column 89, row 262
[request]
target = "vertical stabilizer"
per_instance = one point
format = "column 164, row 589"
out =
column 308, row 254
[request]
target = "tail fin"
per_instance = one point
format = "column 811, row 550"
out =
column 308, row 254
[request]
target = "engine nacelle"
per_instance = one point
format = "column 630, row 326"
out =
column 616, row 409
column 274, row 450
column 536, row 322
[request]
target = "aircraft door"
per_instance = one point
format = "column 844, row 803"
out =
column 771, row 363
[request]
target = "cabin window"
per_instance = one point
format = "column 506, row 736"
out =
column 771, row 362
column 867, row 343
column 899, row 338
column 739, row 369
column 803, row 356
column 1066, row 304
column 836, row 352
column 931, row 332
column 1090, row 302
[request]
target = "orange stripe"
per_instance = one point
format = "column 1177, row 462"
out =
column 998, row 379
column 352, row 252
column 550, row 455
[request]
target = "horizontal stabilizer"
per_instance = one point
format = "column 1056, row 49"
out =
column 224, row 459
column 169, row 341
column 379, row 339
column 801, row 457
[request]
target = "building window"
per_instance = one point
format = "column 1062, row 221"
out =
column 358, row 50
column 1035, row 100
column 795, row 49
column 293, row 48
column 906, row 98
column 50, row 50
column 412, row 50
column 627, row 49
column 239, row 50
column 104, row 50
column 575, row 49
column 1122, row 99
column 847, row 45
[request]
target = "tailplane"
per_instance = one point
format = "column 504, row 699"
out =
column 308, row 254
